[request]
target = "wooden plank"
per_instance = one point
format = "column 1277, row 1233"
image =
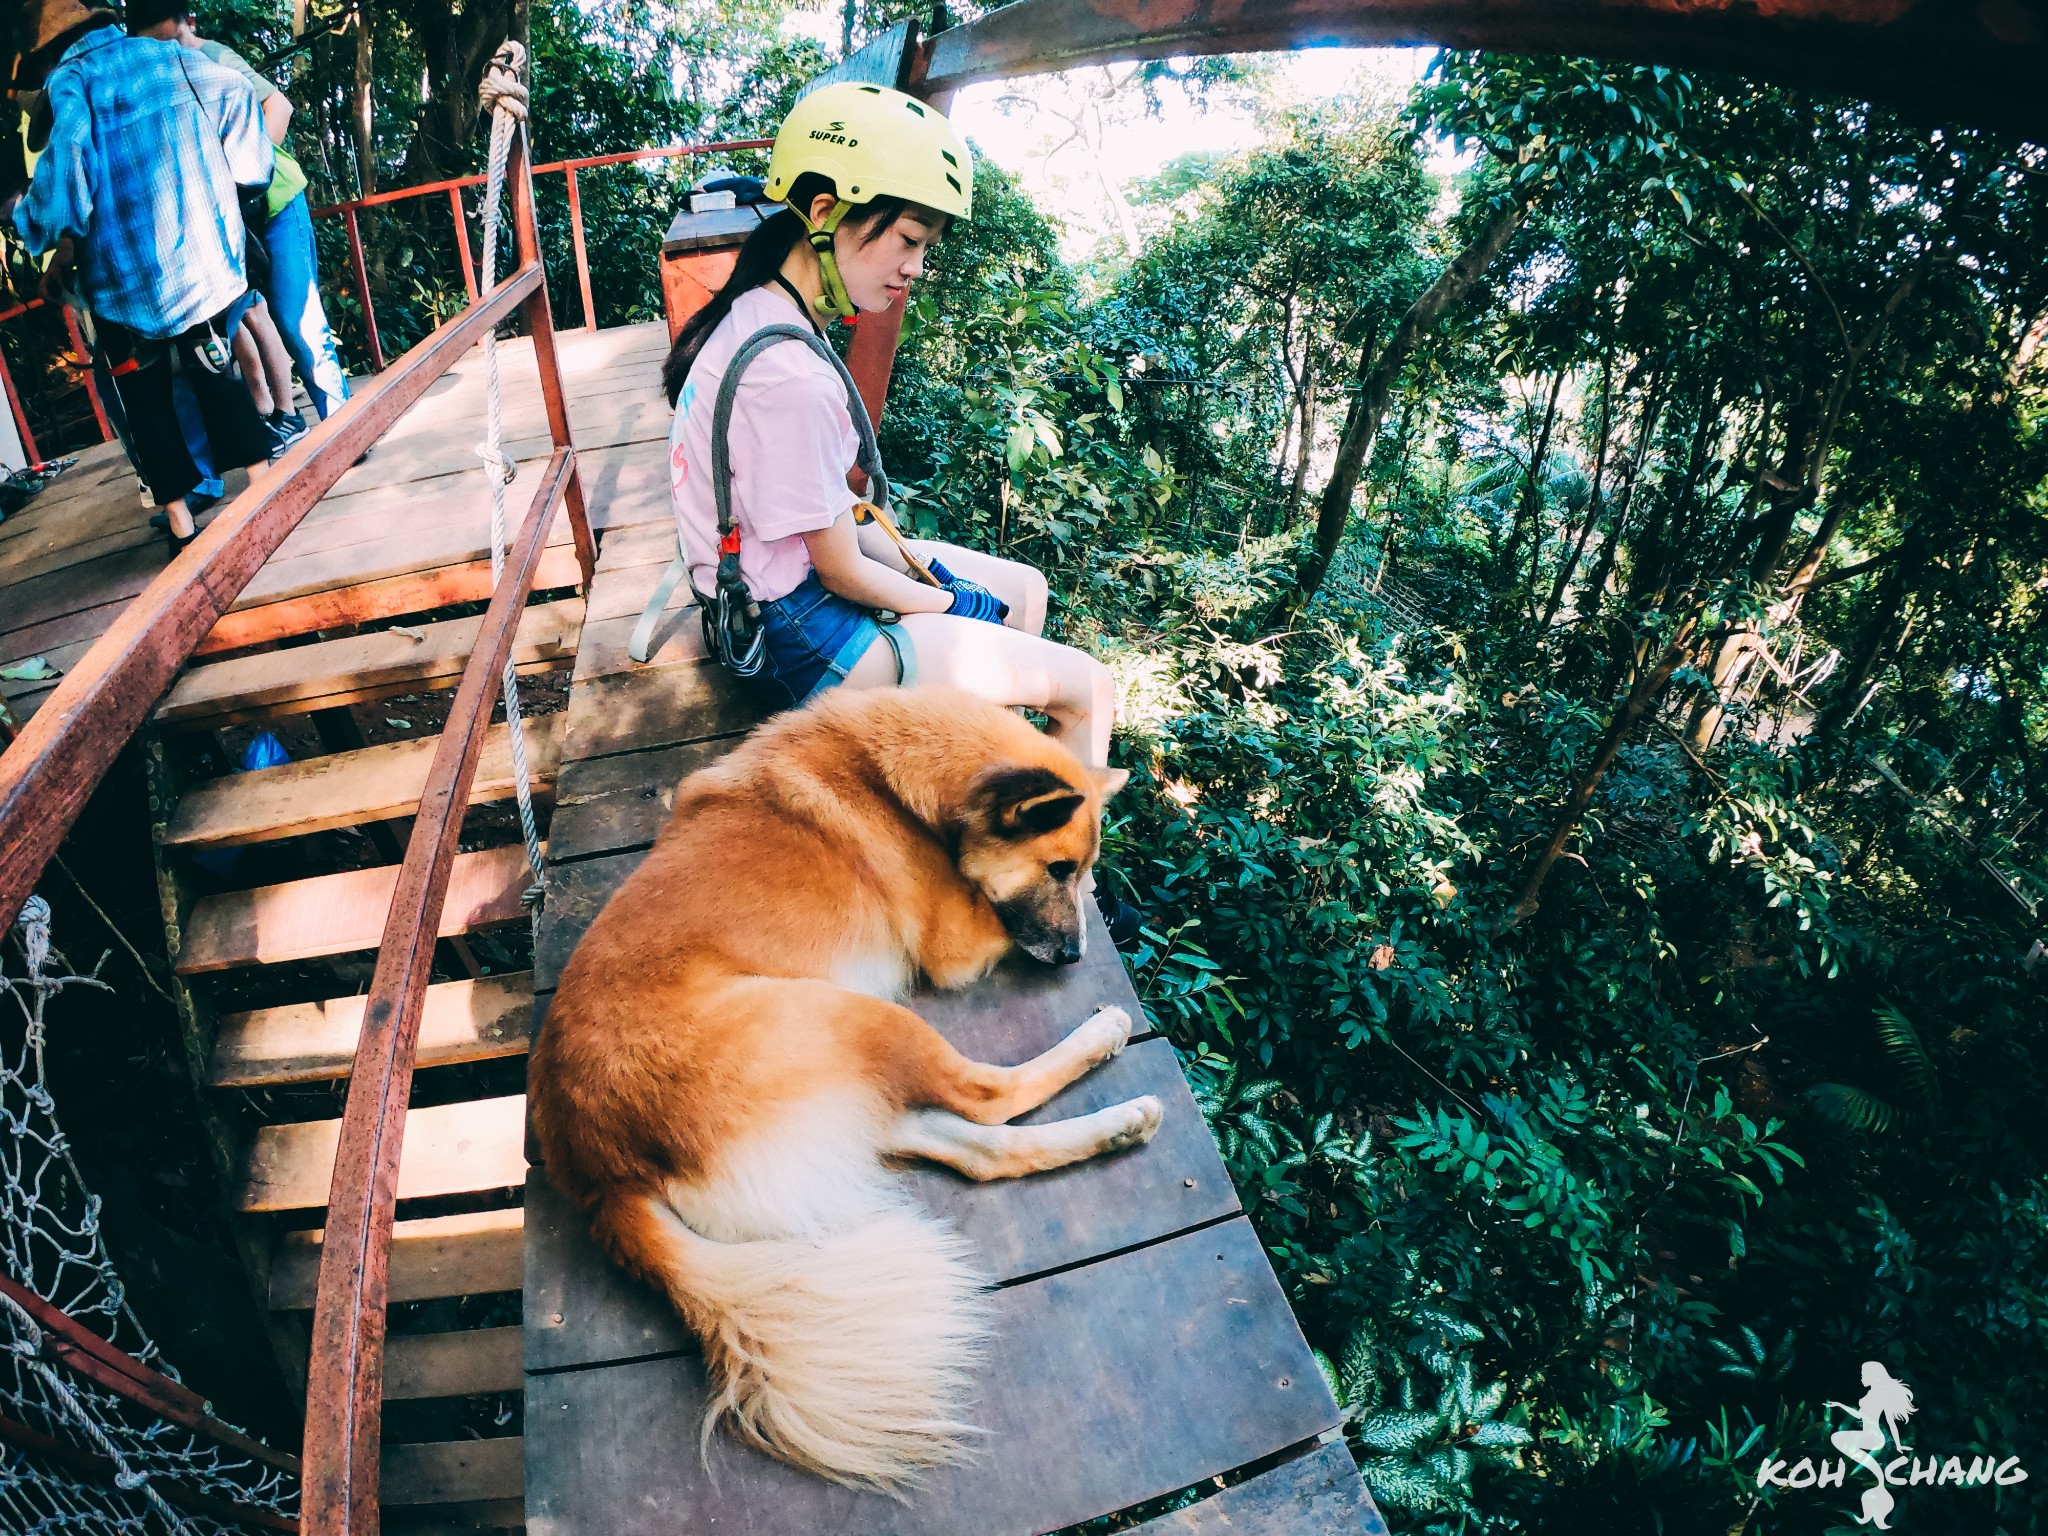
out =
column 609, row 803
column 450, row 1149
column 40, row 639
column 346, row 789
column 463, row 1364
column 454, row 1471
column 487, row 1517
column 315, row 1042
column 582, row 1311
column 331, row 671
column 658, row 706
column 391, row 597
column 111, row 578
column 477, row 1253
column 1317, row 1494
column 1106, row 1385
column 336, row 914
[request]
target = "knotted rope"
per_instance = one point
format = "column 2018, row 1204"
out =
column 503, row 96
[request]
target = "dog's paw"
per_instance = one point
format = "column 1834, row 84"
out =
column 1104, row 1035
column 1137, row 1123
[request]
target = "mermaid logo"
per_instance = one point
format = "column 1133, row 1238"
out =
column 1880, row 1414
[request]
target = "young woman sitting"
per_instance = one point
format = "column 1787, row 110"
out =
column 871, row 179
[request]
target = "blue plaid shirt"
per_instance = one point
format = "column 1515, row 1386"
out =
column 149, row 142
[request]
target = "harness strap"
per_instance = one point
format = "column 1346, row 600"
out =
column 732, row 619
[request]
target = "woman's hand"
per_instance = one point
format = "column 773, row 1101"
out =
column 971, row 600
column 844, row 568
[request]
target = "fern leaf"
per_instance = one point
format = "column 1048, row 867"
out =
column 1855, row 1108
column 1909, row 1057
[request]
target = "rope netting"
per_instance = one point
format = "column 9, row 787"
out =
column 114, row 1466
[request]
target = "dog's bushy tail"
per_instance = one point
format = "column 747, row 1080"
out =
column 850, row 1355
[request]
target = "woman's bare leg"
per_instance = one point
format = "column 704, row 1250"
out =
column 250, row 358
column 1018, row 584
column 277, row 363
column 1007, row 667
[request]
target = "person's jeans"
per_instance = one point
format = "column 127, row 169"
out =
column 294, row 295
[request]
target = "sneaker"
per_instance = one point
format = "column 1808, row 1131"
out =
column 286, row 428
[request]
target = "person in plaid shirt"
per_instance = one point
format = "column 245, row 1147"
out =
column 151, row 145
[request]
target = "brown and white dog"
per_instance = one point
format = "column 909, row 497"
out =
column 725, row 1065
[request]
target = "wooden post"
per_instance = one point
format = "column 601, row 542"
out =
column 582, row 251
column 540, row 324
column 462, row 243
column 355, row 256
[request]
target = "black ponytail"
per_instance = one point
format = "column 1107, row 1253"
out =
column 760, row 258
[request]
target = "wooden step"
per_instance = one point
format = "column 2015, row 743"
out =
column 473, row 1254
column 453, row 1364
column 315, row 1042
column 450, row 1149
column 454, row 1471
column 335, row 914
column 334, row 672
column 346, row 789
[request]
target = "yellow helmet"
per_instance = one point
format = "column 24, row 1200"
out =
column 873, row 142
column 870, row 142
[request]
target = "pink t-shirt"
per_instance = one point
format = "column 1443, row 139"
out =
column 789, row 448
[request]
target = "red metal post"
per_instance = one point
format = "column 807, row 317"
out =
column 345, row 1382
column 28, row 441
column 582, row 251
column 540, row 324
column 355, row 256
column 462, row 243
column 92, row 389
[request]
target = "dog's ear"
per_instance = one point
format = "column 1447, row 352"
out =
column 1023, row 802
column 1110, row 780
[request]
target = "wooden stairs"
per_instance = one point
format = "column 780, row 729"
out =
column 296, row 949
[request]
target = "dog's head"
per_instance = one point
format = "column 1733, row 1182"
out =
column 1027, row 836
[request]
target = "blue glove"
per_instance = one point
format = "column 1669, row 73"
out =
column 974, row 602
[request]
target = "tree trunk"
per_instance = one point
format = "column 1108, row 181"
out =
column 1648, row 689
column 457, row 49
column 1304, row 448
column 1577, row 549
column 361, row 121
column 1610, row 551
column 1376, row 376
column 1528, row 521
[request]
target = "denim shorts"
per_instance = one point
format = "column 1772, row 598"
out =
column 813, row 638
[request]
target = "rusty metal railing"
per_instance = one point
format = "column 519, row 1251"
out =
column 60, row 757
column 452, row 190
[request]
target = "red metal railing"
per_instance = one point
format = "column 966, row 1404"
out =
column 452, row 188
column 61, row 755
column 79, row 351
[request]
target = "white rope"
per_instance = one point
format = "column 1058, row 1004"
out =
column 503, row 96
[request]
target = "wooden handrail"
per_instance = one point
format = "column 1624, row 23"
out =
column 345, row 1382
column 51, row 770
column 345, row 1378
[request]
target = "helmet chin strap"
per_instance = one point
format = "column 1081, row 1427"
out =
column 834, row 300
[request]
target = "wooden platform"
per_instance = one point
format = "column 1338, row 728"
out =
column 406, row 531
column 1144, row 1345
column 1145, row 1348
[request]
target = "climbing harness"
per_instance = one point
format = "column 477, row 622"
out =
column 730, row 615
column 503, row 97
